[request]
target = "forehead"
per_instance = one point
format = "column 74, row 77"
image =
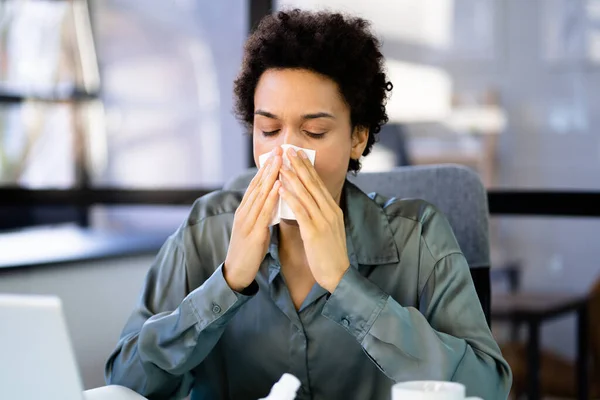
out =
column 291, row 91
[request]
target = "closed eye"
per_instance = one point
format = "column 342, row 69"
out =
column 315, row 135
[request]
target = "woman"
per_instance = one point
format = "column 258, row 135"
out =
column 355, row 295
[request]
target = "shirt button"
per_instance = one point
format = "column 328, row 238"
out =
column 216, row 309
column 345, row 322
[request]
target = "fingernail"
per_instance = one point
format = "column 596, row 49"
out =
column 303, row 154
column 293, row 152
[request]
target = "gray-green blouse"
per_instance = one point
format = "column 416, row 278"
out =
column 406, row 309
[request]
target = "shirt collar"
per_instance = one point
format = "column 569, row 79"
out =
column 368, row 233
column 369, row 237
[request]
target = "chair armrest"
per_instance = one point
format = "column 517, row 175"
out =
column 112, row 392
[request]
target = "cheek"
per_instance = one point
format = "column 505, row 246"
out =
column 332, row 166
column 332, row 161
column 260, row 146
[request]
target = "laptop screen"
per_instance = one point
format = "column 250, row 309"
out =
column 37, row 359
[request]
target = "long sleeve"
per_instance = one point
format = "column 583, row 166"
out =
column 445, row 337
column 170, row 332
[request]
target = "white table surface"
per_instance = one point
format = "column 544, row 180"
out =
column 112, row 392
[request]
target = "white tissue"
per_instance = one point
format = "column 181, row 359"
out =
column 282, row 210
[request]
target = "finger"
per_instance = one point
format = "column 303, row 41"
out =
column 293, row 184
column 317, row 180
column 329, row 208
column 259, row 182
column 275, row 153
column 261, row 189
column 261, row 192
column 302, row 216
column 311, row 180
column 255, row 182
column 268, row 208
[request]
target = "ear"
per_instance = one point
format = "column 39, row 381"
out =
column 360, row 135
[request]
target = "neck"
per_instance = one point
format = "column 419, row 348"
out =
column 291, row 246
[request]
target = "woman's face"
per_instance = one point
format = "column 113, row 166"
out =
column 306, row 109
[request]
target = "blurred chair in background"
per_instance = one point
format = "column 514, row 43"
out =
column 390, row 151
column 468, row 135
column 439, row 125
column 557, row 375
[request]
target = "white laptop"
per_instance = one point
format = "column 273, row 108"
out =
column 36, row 357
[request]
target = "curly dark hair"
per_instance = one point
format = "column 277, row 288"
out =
column 338, row 46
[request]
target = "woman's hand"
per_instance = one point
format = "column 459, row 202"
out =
column 250, row 233
column 320, row 219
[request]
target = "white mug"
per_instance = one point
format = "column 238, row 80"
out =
column 430, row 390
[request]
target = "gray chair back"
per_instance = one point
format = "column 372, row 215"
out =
column 456, row 191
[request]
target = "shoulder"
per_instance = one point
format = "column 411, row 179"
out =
column 220, row 203
column 419, row 217
column 204, row 236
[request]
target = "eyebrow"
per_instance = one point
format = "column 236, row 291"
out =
column 305, row 116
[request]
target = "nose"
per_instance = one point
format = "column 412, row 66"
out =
column 292, row 136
